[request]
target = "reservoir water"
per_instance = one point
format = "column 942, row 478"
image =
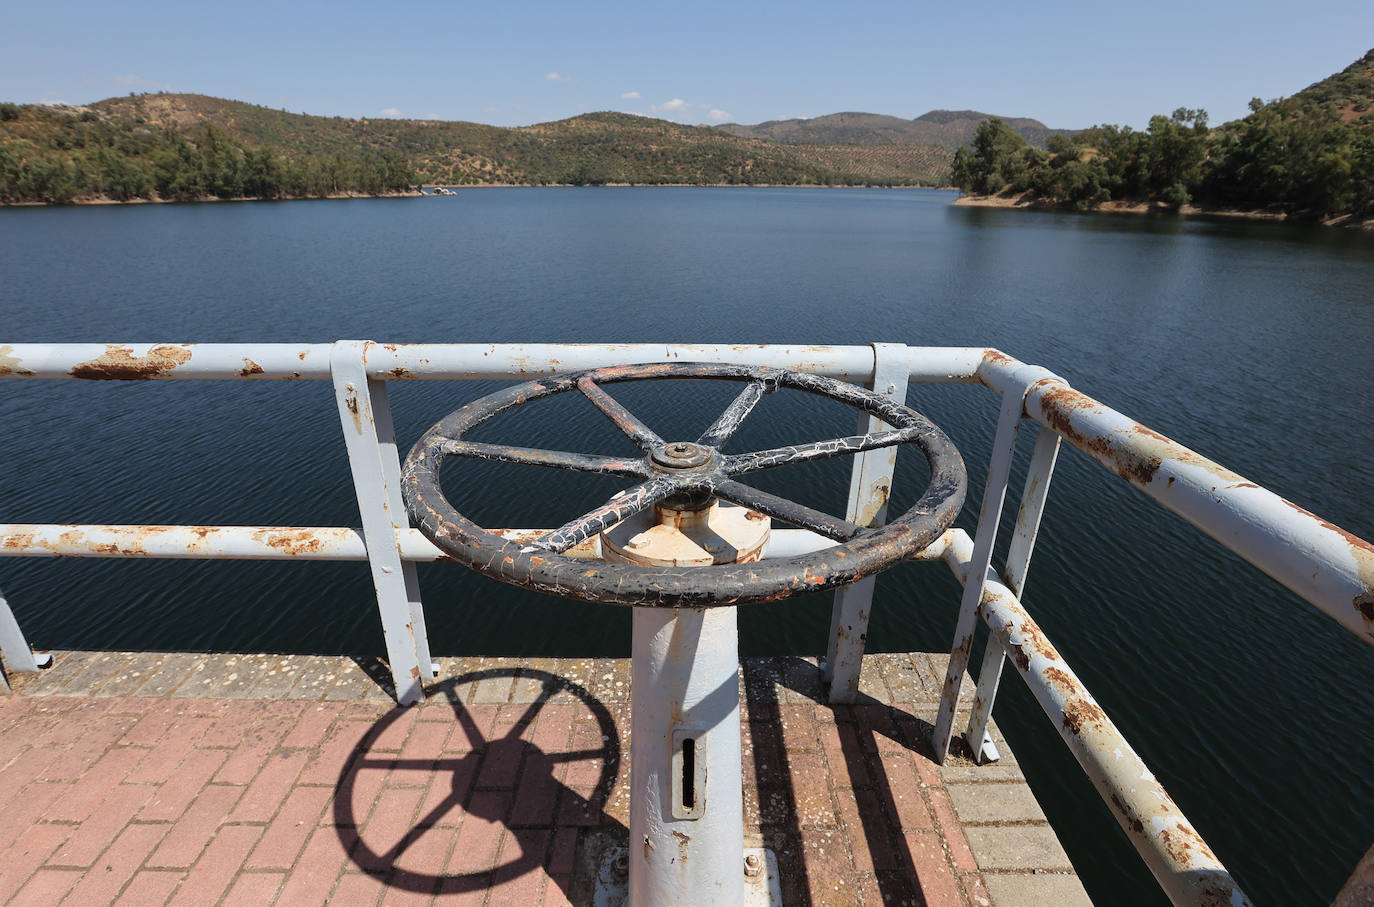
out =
column 1251, row 343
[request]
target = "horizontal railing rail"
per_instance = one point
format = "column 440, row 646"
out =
column 1328, row 567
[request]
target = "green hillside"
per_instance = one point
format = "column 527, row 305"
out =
column 194, row 146
column 1309, row 156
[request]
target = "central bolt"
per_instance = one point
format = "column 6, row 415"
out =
column 680, row 455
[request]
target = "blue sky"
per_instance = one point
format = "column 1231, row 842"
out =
column 1069, row 64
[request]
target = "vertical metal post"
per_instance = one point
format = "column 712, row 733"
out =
column 13, row 646
column 370, row 440
column 994, row 493
column 1033, row 498
column 396, row 506
column 15, row 649
column 687, row 805
column 870, row 485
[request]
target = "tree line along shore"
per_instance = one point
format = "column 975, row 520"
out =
column 1307, row 157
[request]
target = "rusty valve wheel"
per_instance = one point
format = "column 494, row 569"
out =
column 683, row 470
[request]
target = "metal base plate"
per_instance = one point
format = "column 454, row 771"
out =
column 613, row 881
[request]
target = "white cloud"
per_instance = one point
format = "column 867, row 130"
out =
column 390, row 112
column 676, row 105
column 630, row 95
column 556, row 77
column 716, row 115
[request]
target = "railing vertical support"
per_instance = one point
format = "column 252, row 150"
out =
column 870, row 485
column 370, row 439
column 14, row 647
column 1033, row 498
column 989, row 516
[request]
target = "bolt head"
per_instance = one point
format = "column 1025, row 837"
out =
column 752, row 864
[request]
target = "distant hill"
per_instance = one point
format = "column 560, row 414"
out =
column 947, row 128
column 592, row 148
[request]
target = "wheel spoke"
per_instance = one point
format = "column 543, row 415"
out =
column 613, row 511
column 556, row 459
column 626, row 421
column 787, row 511
column 737, row 464
column 734, row 414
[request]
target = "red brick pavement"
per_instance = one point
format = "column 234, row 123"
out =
column 161, row 801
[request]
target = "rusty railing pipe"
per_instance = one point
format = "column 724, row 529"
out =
column 1182, row 863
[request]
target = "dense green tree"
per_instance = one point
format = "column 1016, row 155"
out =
column 997, row 158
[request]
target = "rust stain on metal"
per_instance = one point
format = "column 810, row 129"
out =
column 399, row 372
column 19, row 541
column 683, row 841
column 250, row 368
column 1136, row 453
column 118, row 363
column 1060, row 679
column 292, row 541
column 351, row 402
column 1186, row 846
column 301, row 356
column 1078, row 714
column 1363, row 554
column 878, row 494
column 1131, row 818
column 1061, row 403
column 9, row 363
column 997, row 357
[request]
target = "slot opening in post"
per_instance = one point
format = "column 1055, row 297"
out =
column 688, row 771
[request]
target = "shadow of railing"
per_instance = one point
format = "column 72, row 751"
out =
column 865, row 729
column 507, row 781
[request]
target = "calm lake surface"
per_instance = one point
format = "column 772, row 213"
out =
column 1251, row 343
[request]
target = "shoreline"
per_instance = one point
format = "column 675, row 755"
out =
column 1026, row 201
column 106, row 200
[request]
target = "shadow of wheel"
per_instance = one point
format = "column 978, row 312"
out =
column 459, row 774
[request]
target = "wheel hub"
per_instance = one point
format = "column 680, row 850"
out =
column 680, row 455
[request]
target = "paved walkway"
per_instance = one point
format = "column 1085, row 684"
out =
column 191, row 779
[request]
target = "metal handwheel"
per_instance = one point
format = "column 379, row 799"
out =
column 677, row 474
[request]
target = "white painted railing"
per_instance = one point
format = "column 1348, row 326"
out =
column 1328, row 567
